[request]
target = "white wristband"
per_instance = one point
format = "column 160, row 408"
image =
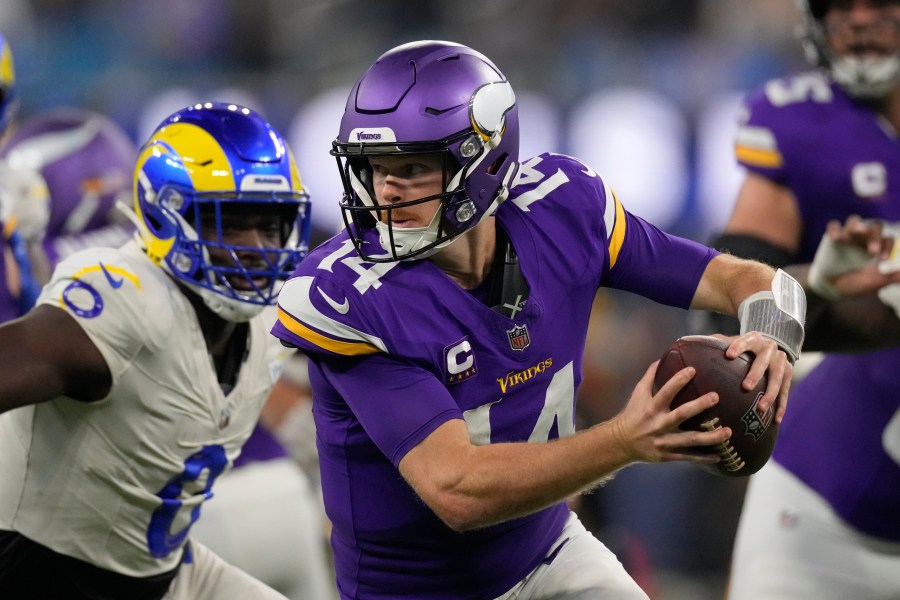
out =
column 778, row 314
column 890, row 296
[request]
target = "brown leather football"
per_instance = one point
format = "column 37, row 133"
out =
column 752, row 433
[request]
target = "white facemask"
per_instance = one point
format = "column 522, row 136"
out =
column 409, row 239
column 866, row 77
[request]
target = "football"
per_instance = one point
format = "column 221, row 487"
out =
column 753, row 433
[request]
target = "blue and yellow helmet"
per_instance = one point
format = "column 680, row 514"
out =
column 8, row 102
column 200, row 163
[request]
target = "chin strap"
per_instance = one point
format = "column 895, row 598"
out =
column 778, row 314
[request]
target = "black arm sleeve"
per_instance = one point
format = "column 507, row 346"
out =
column 851, row 325
column 747, row 246
column 742, row 246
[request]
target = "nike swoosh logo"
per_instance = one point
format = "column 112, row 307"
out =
column 116, row 283
column 341, row 307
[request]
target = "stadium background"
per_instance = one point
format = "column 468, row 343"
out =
column 644, row 92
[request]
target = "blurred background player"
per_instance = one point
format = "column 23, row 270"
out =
column 83, row 161
column 821, row 520
column 19, row 286
column 142, row 370
column 8, row 99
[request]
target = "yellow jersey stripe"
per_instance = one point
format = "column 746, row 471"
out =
column 9, row 227
column 317, row 339
column 109, row 269
column 617, row 236
column 758, row 158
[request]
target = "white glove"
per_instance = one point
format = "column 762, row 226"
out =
column 890, row 296
column 892, row 262
column 24, row 195
column 833, row 259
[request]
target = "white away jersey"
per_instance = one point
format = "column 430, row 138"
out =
column 118, row 482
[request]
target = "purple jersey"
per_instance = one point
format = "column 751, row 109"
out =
column 260, row 446
column 86, row 161
column 397, row 349
column 838, row 158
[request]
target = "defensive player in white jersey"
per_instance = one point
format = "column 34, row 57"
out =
column 266, row 516
column 445, row 328
column 134, row 382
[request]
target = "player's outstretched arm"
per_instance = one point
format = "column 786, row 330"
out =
column 46, row 354
column 470, row 486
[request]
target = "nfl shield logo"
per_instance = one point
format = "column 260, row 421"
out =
column 755, row 422
column 518, row 337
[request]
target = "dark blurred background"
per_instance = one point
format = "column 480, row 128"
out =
column 644, row 92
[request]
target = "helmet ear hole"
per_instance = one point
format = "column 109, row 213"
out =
column 497, row 165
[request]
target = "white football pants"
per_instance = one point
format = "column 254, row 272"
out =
column 791, row 545
column 583, row 569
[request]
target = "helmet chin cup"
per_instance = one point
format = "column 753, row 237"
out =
column 229, row 309
column 407, row 242
column 867, row 78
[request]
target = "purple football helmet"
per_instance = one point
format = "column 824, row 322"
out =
column 862, row 76
column 86, row 161
column 428, row 97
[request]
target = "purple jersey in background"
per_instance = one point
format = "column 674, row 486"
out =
column 86, row 160
column 260, row 446
column 397, row 349
column 838, row 158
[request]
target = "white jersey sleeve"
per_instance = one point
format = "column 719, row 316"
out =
column 115, row 296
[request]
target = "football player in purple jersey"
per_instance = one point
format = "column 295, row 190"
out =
column 82, row 160
column 136, row 379
column 445, row 328
column 821, row 519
